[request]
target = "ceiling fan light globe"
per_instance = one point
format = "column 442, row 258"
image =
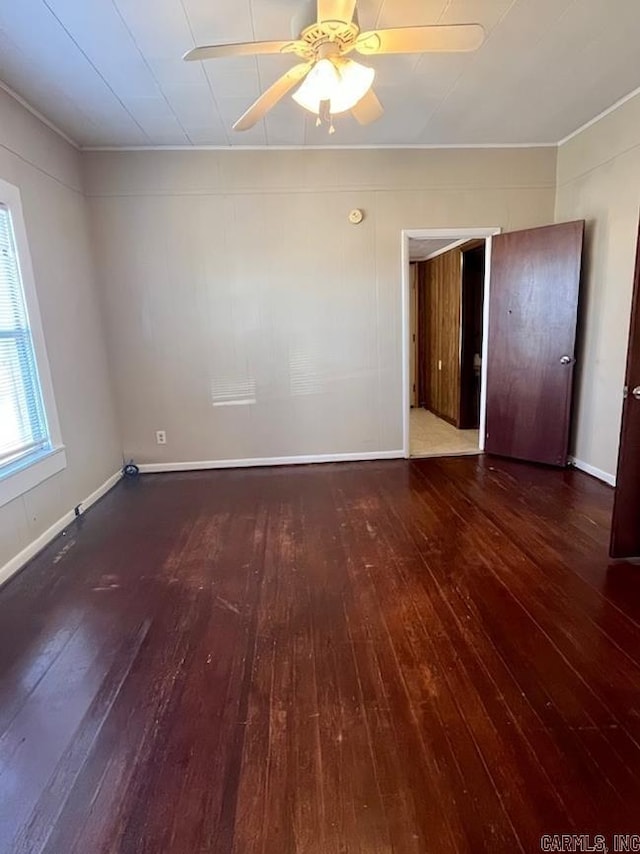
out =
column 344, row 86
column 355, row 81
column 319, row 85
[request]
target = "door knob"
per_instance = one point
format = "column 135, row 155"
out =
column 636, row 392
column 566, row 360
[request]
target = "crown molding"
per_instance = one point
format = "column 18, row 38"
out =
column 38, row 115
column 408, row 146
column 397, row 147
column 600, row 116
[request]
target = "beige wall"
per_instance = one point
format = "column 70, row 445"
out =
column 599, row 181
column 238, row 273
column 47, row 171
column 236, row 277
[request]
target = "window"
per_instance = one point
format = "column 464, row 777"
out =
column 30, row 446
column 23, row 425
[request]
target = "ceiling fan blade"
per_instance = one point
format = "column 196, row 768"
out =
column 368, row 109
column 336, row 10
column 274, row 93
column 455, row 37
column 215, row 51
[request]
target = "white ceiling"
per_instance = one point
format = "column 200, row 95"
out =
column 419, row 250
column 109, row 72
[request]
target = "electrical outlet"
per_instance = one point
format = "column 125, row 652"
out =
column 161, row 437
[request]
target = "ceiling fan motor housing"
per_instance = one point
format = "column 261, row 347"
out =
column 328, row 38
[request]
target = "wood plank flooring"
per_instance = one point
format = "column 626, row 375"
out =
column 425, row 656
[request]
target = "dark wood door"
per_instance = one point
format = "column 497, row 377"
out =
column 625, row 529
column 533, row 308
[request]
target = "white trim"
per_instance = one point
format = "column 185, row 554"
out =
column 593, row 471
column 454, row 233
column 391, row 146
column 405, row 255
column 488, row 255
column 16, row 563
column 10, row 196
column 203, row 465
column 463, row 235
column 417, row 146
column 16, row 483
column 38, row 115
column 600, row 116
column 426, row 146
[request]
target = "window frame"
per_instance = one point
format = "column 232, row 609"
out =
column 28, row 471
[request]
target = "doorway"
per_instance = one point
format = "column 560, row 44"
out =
column 446, row 287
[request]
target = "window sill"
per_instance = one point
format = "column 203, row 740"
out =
column 42, row 466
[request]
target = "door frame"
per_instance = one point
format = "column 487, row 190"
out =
column 455, row 234
column 618, row 481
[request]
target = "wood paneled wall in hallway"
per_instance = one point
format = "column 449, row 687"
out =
column 450, row 301
column 441, row 293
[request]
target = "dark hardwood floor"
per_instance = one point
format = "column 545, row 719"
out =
column 431, row 656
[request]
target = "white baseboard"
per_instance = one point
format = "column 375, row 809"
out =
column 16, row 563
column 358, row 456
column 593, row 471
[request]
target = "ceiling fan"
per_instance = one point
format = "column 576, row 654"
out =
column 328, row 81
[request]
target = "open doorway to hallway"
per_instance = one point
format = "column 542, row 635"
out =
column 447, row 288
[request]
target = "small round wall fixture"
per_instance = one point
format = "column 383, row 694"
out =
column 356, row 216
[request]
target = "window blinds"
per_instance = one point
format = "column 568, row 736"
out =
column 23, row 426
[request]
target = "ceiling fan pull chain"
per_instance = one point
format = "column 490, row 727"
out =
column 324, row 115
